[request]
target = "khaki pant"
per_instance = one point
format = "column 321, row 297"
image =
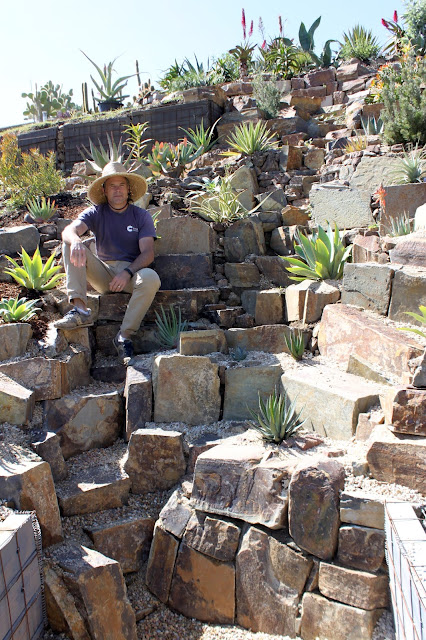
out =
column 143, row 286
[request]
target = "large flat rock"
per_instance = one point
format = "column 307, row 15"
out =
column 185, row 271
column 408, row 293
column 268, row 338
column 346, row 331
column 242, row 386
column 184, row 235
column 344, row 207
column 14, row 339
column 12, row 239
column 330, row 400
column 368, row 286
column 16, row 401
column 42, row 375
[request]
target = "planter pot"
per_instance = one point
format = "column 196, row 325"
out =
column 109, row 105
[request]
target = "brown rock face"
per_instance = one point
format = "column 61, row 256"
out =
column 325, row 619
column 175, row 514
column 268, row 338
column 93, row 490
column 138, row 395
column 203, row 588
column 155, row 459
column 314, row 506
column 175, row 232
column 356, row 588
column 41, row 375
column 361, row 547
column 99, row 591
column 267, row 588
column 234, row 481
column 62, row 613
column 398, row 458
column 306, row 300
column 161, row 562
column 127, row 541
column 362, row 509
column 14, row 339
column 242, row 385
column 244, row 237
column 243, row 275
column 405, row 410
column 29, row 485
column 213, row 537
column 16, row 402
column 200, row 343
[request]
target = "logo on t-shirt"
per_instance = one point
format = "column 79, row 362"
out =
column 130, row 228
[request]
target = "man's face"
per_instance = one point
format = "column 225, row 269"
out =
column 116, row 191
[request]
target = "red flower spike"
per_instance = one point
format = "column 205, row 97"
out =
column 385, row 23
column 395, row 16
column 263, row 44
column 243, row 22
column 251, row 29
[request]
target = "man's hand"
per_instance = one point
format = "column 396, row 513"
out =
column 78, row 253
column 119, row 281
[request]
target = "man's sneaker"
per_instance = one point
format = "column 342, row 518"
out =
column 124, row 349
column 74, row 320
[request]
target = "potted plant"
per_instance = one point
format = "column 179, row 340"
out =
column 110, row 92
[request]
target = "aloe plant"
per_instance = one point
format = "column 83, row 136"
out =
column 41, row 208
column 321, row 257
column 32, row 274
column 249, row 138
column 17, row 309
column 200, row 137
column 169, row 325
column 295, row 343
column 276, row 419
column 107, row 88
column 401, row 225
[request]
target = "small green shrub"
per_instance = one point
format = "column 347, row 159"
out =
column 135, row 141
column 224, row 69
column 359, row 43
column 267, row 96
column 169, row 325
column 321, row 257
column 32, row 274
column 295, row 342
column 41, row 208
column 17, row 309
column 277, row 419
column 247, row 139
column 282, row 57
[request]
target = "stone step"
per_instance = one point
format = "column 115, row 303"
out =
column 346, row 331
column 185, row 270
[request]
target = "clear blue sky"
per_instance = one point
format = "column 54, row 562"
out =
column 41, row 41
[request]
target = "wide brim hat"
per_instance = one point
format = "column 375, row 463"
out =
column 137, row 183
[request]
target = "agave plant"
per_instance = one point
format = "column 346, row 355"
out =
column 108, row 90
column 32, row 274
column 401, row 225
column 277, row 419
column 17, row 309
column 200, row 137
column 359, row 43
column 411, row 168
column 41, row 208
column 321, row 257
column 295, row 343
column 420, row 317
column 169, row 326
column 372, row 126
column 169, row 159
column 102, row 157
column 249, row 138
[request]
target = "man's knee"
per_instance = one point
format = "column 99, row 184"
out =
column 148, row 278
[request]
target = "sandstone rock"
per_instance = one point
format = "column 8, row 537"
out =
column 306, row 105
column 265, row 566
column 330, row 400
column 79, row 336
column 16, row 402
column 368, row 286
column 174, row 233
column 361, row 547
column 203, row 443
column 161, row 562
column 29, row 484
column 357, row 588
column 314, row 506
column 48, row 447
column 245, row 179
column 288, row 122
column 127, row 540
column 397, row 458
column 244, row 237
column 184, row 271
column 292, row 215
column 294, row 156
column 234, row 481
column 265, row 306
column 408, row 291
column 203, row 588
column 420, row 218
column 242, row 386
column 85, row 421
column 273, row 268
column 405, row 410
column 268, row 338
column 213, row 537
column 99, row 590
column 362, row 509
column 138, row 395
column 314, row 158
column 75, row 366
column 41, row 375
column 366, row 423
column 14, row 339
column 306, row 300
column 242, row 275
column 155, row 459
column 12, row 239
column 365, row 249
column 201, row 343
column 193, row 382
column 282, row 242
column 320, row 77
column 273, row 200
column 410, row 250
column 344, row 207
column 62, row 613
column 412, row 195
column 360, row 367
column 326, row 619
column 93, row 490
column 174, row 516
column 345, row 330
column 419, row 368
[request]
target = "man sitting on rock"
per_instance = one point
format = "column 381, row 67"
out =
column 124, row 235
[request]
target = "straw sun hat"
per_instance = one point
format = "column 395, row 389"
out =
column 137, row 183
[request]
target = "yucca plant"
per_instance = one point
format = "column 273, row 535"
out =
column 169, row 325
column 200, row 137
column 321, row 257
column 401, row 225
column 17, row 309
column 356, row 143
column 276, row 419
column 295, row 342
column 359, row 43
column 411, row 168
column 249, row 138
column 32, row 274
column 421, row 317
column 41, row 208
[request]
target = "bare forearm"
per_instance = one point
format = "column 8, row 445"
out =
column 143, row 260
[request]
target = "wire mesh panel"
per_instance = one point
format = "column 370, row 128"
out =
column 406, row 557
column 42, row 139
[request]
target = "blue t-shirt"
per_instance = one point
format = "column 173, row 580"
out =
column 117, row 234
